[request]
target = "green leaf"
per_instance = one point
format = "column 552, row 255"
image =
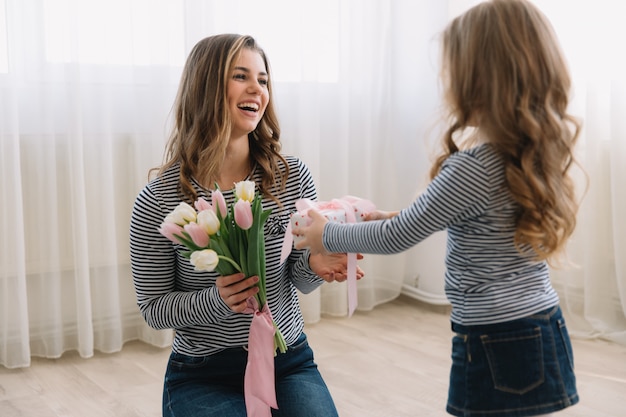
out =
column 227, row 265
column 256, row 247
column 243, row 255
column 186, row 240
column 265, row 215
column 224, row 231
column 260, row 255
column 225, row 249
column 224, row 267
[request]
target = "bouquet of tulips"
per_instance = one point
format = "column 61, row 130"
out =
column 225, row 239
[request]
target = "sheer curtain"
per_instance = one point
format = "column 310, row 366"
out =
column 593, row 291
column 85, row 94
column 84, row 99
column 86, row 90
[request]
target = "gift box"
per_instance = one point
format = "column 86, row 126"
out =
column 302, row 218
column 348, row 209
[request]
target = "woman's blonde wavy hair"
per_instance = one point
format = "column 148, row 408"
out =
column 504, row 73
column 202, row 122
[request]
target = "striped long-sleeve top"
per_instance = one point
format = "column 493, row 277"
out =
column 487, row 279
column 171, row 294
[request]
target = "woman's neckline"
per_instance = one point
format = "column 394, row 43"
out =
column 231, row 189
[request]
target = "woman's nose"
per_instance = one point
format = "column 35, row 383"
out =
column 255, row 87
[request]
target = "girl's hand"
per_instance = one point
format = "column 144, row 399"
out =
column 311, row 235
column 333, row 266
column 236, row 289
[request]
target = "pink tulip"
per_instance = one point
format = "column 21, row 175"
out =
column 202, row 204
column 197, row 234
column 219, row 203
column 169, row 230
column 243, row 214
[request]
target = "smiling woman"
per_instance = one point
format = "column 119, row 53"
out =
column 248, row 95
column 239, row 347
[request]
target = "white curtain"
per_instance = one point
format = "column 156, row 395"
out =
column 593, row 290
column 85, row 93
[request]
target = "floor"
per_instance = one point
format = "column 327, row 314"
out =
column 389, row 362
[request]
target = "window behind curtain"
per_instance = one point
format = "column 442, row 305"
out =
column 149, row 32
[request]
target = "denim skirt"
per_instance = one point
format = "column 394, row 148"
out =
column 523, row 367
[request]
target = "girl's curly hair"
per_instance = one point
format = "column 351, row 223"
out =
column 503, row 72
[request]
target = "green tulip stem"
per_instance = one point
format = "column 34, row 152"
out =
column 279, row 341
column 233, row 263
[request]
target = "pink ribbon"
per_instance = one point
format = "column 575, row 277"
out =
column 350, row 206
column 259, row 388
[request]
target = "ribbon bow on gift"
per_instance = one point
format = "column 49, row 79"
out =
column 348, row 209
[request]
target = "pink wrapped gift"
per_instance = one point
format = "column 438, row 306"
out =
column 333, row 215
column 348, row 209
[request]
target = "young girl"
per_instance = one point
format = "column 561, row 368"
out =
column 225, row 131
column 508, row 204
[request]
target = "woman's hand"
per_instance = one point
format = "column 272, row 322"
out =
column 311, row 236
column 236, row 289
column 333, row 266
column 380, row 215
column 328, row 266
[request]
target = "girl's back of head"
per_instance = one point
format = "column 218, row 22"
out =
column 504, row 73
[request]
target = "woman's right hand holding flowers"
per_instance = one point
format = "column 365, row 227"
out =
column 236, row 289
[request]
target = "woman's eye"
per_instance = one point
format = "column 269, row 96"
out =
column 263, row 81
column 239, row 76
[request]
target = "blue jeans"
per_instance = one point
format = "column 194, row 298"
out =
column 518, row 368
column 213, row 385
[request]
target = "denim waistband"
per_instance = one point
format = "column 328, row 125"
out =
column 543, row 315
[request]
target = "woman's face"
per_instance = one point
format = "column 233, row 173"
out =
column 248, row 93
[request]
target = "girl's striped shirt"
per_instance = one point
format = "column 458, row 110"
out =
column 487, row 279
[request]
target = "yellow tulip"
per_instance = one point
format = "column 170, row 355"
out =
column 244, row 190
column 207, row 219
